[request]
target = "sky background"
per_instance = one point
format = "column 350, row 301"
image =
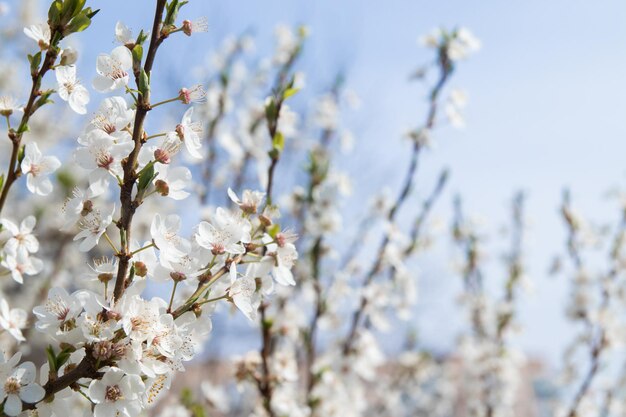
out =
column 546, row 110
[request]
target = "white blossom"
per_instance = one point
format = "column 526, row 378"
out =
column 116, row 394
column 93, row 226
column 18, row 385
column 37, row 168
column 113, row 70
column 70, row 89
column 40, row 33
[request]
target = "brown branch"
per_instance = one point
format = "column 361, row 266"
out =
column 13, row 170
column 445, row 72
column 129, row 164
column 599, row 343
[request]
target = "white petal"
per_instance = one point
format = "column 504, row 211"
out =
column 13, row 405
column 32, row 393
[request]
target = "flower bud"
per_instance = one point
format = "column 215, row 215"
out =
column 69, row 56
column 178, row 276
column 187, row 27
column 162, row 156
column 197, row 309
column 205, row 277
column 141, row 270
column 162, row 187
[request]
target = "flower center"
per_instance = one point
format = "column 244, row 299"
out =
column 113, row 393
column 104, row 160
column 12, row 386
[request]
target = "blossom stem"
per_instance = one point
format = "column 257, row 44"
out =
column 151, row 245
column 129, row 91
column 155, row 136
column 165, row 102
column 169, row 307
column 106, row 236
column 202, row 287
column 211, row 300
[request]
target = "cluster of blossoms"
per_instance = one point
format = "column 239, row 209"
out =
column 106, row 337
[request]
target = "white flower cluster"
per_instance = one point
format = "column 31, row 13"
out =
column 117, row 349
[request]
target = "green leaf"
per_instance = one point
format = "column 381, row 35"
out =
column 172, row 11
column 146, row 177
column 20, row 154
column 278, row 142
column 143, row 83
column 91, row 13
column 1, row 181
column 68, row 10
column 274, row 230
column 137, row 54
column 290, row 92
column 35, row 61
column 271, row 111
column 78, row 7
column 51, row 358
column 141, row 38
column 54, row 13
column 63, row 357
column 78, row 24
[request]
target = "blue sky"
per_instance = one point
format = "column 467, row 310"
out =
column 546, row 110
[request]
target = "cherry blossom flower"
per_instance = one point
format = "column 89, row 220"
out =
column 112, row 118
column 103, row 270
column 70, row 89
column 102, row 156
column 280, row 259
column 144, row 260
column 463, row 44
column 116, row 394
column 225, row 233
column 58, row 316
column 164, row 232
column 37, row 168
column 69, row 56
column 171, row 182
column 195, row 94
column 8, row 106
column 123, row 34
column 140, row 316
column 183, row 269
column 18, row 385
column 20, row 265
column 93, row 227
column 244, row 294
column 195, row 26
column 75, row 207
column 13, row 320
column 40, row 33
column 113, row 70
column 170, row 147
column 19, row 239
column 250, row 200
column 189, row 133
